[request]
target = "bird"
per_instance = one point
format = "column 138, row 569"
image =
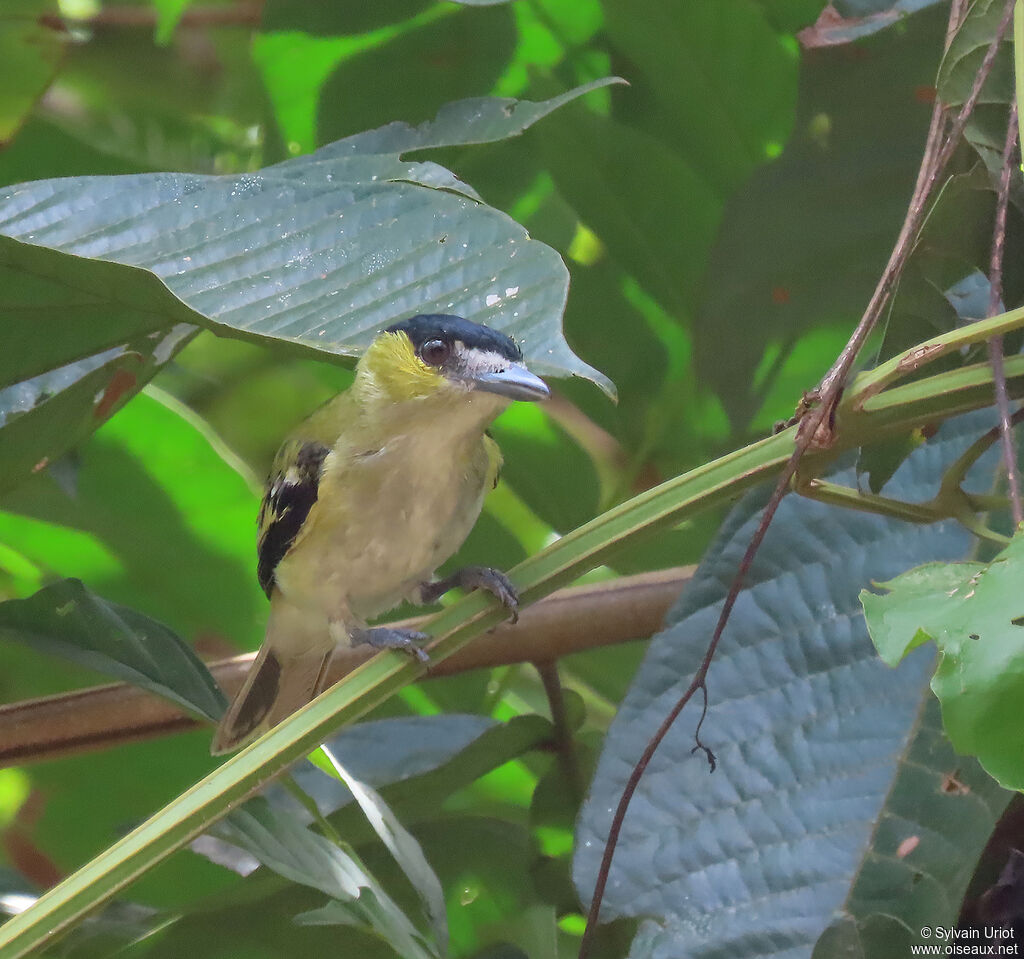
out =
column 368, row 497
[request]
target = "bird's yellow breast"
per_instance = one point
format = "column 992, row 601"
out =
column 387, row 515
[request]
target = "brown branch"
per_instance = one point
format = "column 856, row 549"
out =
column 816, row 429
column 995, row 300
column 568, row 621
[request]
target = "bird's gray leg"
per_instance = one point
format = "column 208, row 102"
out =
column 383, row 637
column 493, row 581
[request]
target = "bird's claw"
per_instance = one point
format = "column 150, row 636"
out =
column 384, row 637
column 493, row 581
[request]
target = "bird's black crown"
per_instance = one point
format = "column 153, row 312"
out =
column 439, row 326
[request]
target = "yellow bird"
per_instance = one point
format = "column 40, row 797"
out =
column 368, row 497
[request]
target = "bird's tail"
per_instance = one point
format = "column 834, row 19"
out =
column 288, row 672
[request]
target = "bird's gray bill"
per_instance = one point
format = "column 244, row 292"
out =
column 517, row 383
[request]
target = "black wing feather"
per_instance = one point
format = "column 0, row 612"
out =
column 288, row 501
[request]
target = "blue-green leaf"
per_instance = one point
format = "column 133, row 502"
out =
column 827, row 759
column 324, row 250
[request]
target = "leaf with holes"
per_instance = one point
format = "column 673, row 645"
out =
column 60, row 380
column 973, row 612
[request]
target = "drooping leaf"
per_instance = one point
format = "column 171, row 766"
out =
column 974, row 614
column 323, row 251
column 483, row 862
column 827, row 760
column 66, row 620
column 62, row 379
column 299, row 854
column 847, row 20
column 417, row 763
column 106, row 305
column 399, row 842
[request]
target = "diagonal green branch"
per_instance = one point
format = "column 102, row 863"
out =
column 899, row 409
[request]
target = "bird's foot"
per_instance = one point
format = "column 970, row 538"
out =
column 491, row 580
column 382, row 637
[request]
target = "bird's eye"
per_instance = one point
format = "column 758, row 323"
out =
column 435, row 352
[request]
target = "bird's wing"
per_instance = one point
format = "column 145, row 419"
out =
column 494, row 460
column 291, row 492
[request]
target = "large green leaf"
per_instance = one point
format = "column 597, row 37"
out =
column 428, row 61
column 67, row 620
column 822, row 769
column 106, row 305
column 173, row 518
column 986, row 128
column 31, row 49
column 713, row 80
column 973, row 612
column 802, row 244
column 324, row 250
column 419, row 763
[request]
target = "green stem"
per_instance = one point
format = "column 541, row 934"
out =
column 208, row 800
column 897, row 410
column 874, row 381
column 838, row 495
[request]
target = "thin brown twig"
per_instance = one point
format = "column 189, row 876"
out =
column 816, row 426
column 995, row 345
column 932, row 168
column 563, row 731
